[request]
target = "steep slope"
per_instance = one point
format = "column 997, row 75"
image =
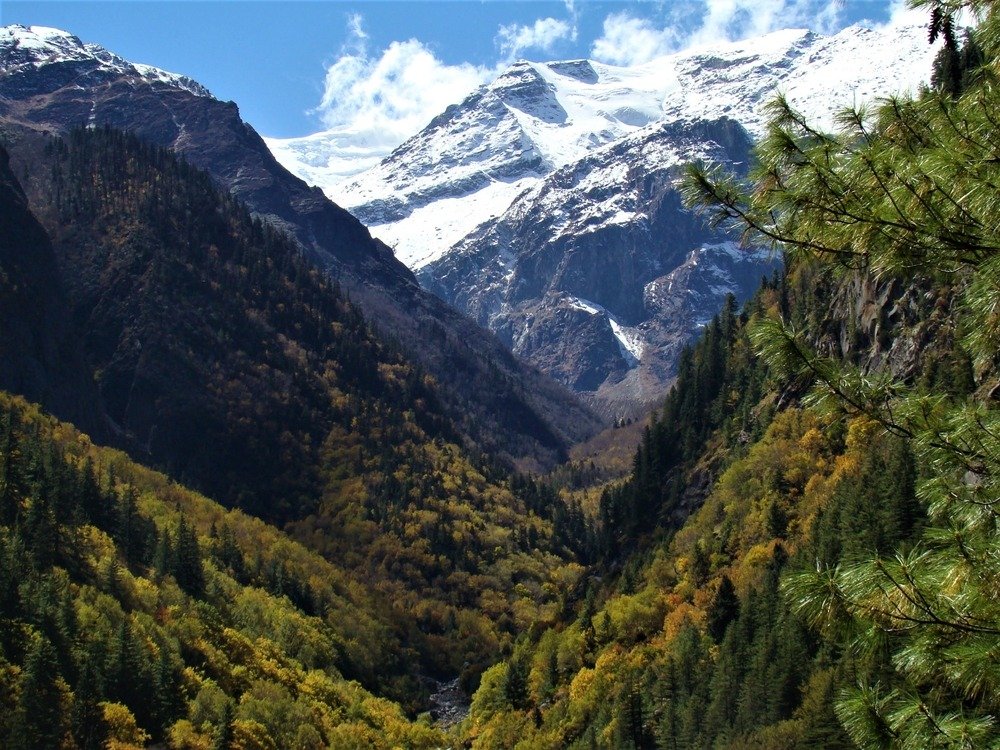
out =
column 599, row 275
column 41, row 359
column 221, row 355
column 804, row 547
column 529, row 121
column 50, row 80
column 514, row 174
column 208, row 337
column 534, row 118
column 734, row 486
column 135, row 610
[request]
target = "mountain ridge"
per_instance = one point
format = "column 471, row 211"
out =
column 572, row 162
column 607, row 102
column 43, row 90
column 598, row 275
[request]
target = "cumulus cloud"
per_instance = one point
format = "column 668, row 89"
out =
column 374, row 100
column 628, row 39
column 380, row 99
column 542, row 35
column 357, row 35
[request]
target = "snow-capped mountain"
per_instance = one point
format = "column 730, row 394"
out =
column 544, row 204
column 537, row 117
column 598, row 275
column 52, row 82
column 24, row 48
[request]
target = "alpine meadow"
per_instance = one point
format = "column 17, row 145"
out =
column 641, row 403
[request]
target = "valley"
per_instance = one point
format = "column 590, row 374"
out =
column 559, row 180
column 621, row 406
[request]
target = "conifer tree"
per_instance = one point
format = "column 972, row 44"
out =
column 90, row 499
column 41, row 531
column 725, row 608
column 515, row 686
column 167, row 701
column 909, row 191
column 187, row 556
column 12, row 486
column 39, row 715
column 224, row 733
column 87, row 719
column 163, row 556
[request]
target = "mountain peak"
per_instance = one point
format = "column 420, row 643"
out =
column 560, row 178
column 581, row 70
column 40, row 46
column 39, row 43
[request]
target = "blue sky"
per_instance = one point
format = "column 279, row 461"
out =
column 298, row 67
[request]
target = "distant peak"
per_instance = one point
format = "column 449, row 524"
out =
column 46, row 32
column 43, row 45
column 519, row 70
column 41, row 39
column 580, row 70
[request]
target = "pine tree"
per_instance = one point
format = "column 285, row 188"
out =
column 130, row 679
column 907, row 191
column 167, row 700
column 88, row 719
column 92, row 503
column 12, row 483
column 39, row 715
column 725, row 608
column 515, row 686
column 187, row 556
column 224, row 733
column 41, row 531
column 163, row 557
column 632, row 729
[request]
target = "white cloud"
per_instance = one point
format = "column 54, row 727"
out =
column 379, row 100
column 373, row 101
column 629, row 40
column 356, row 30
column 901, row 14
column 543, row 35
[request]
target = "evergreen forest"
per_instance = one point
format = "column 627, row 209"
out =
column 234, row 514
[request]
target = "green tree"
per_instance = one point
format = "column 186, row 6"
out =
column 725, row 608
column 39, row 719
column 187, row 560
column 908, row 191
column 88, row 718
column 224, row 733
column 12, row 481
column 167, row 700
column 515, row 686
column 41, row 531
column 130, row 678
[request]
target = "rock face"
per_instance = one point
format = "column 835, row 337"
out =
column 51, row 81
column 544, row 204
column 599, row 275
column 40, row 358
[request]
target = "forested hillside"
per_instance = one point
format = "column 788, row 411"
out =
column 135, row 610
column 52, row 82
column 222, row 356
column 804, row 553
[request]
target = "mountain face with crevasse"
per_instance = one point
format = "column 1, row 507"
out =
column 543, row 205
column 51, row 81
column 599, row 275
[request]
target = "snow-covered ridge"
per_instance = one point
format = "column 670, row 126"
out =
column 630, row 342
column 535, row 118
column 39, row 46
